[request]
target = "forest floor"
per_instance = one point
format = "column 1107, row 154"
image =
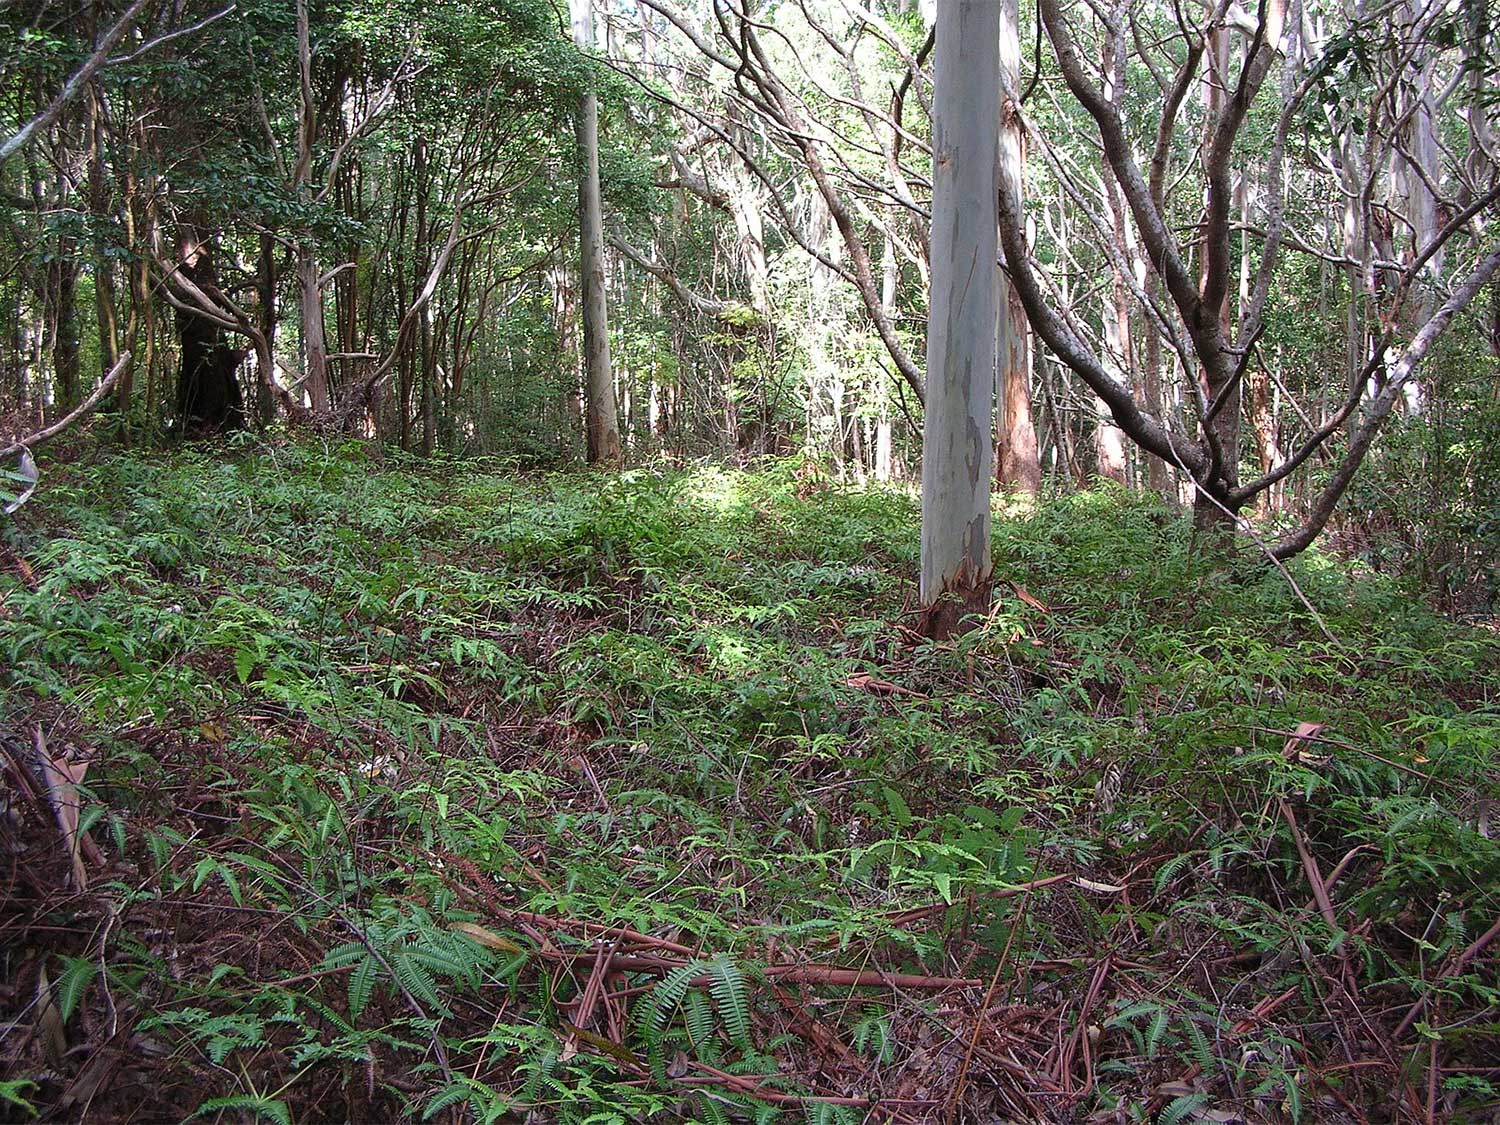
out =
column 443, row 792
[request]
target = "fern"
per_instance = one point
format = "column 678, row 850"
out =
column 273, row 1109
column 698, row 1016
column 1180, row 1108
column 1202, row 1054
column 732, row 995
column 414, row 975
column 73, row 983
column 667, row 996
column 1155, row 1031
column 1168, row 871
column 450, row 1095
column 362, row 985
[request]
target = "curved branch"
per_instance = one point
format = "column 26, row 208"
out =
column 1380, row 409
column 1146, row 430
column 82, row 410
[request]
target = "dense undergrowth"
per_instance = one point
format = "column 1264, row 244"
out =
column 443, row 792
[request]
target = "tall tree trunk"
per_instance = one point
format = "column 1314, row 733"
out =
column 1224, row 427
column 1158, row 479
column 265, row 405
column 603, row 424
column 957, row 458
column 1020, row 465
column 208, row 391
column 314, row 334
column 106, row 307
column 889, row 277
column 1420, row 170
column 62, row 330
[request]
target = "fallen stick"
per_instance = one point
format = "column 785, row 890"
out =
column 1310, row 867
column 805, row 974
column 917, row 913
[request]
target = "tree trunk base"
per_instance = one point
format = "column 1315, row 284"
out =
column 1214, row 525
column 961, row 607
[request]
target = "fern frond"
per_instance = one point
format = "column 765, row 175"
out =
column 362, row 985
column 1154, row 1033
column 698, row 1015
column 273, row 1109
column 414, row 975
column 1180, row 1108
column 667, row 995
column 1202, row 1054
column 73, row 983
column 732, row 995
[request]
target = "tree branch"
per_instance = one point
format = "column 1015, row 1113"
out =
column 82, row 410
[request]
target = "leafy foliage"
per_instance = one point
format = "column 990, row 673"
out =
column 377, row 748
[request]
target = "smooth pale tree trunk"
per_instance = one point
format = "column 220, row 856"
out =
column 889, row 277
column 1111, row 453
column 309, row 292
column 603, row 427
column 1020, row 465
column 1479, row 164
column 314, row 336
column 824, row 389
column 1421, row 165
column 1208, row 515
column 957, row 454
column 1262, row 407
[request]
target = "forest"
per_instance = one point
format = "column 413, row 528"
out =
column 603, row 561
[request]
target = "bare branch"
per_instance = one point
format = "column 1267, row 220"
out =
column 82, row 410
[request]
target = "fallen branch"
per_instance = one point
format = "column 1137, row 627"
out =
column 84, row 408
column 1310, row 867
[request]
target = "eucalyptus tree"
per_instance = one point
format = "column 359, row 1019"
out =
column 961, row 314
column 1019, row 462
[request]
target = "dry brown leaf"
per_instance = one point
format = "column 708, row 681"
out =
column 863, row 681
column 1298, row 744
column 1030, row 599
column 49, row 1024
column 63, row 776
column 487, row 938
column 1099, row 888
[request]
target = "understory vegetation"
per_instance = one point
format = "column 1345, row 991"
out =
column 420, row 790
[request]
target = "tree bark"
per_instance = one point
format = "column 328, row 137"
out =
column 603, row 428
column 314, row 334
column 961, row 345
column 1020, row 465
column 209, row 399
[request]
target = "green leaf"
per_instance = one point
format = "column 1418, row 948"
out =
column 73, row 982
column 362, row 986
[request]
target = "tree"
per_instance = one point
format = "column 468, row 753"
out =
column 1195, row 321
column 961, row 318
column 1018, row 461
column 602, row 422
